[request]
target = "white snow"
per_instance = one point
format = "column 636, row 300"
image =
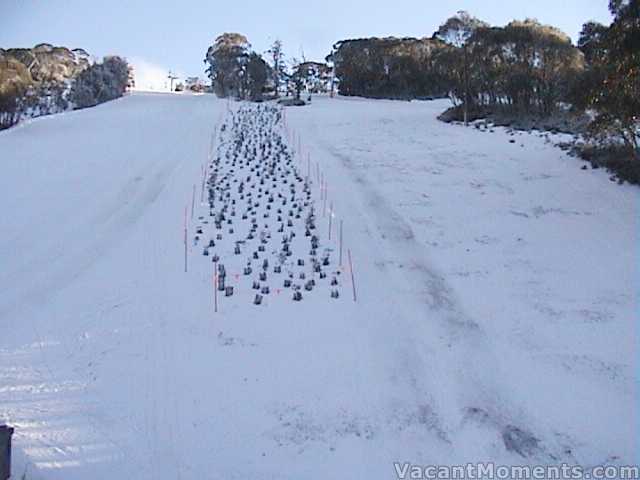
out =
column 497, row 290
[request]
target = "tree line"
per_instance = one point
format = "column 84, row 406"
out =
column 46, row 79
column 235, row 70
column 524, row 68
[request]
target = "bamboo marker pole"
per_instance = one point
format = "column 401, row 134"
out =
column 193, row 201
column 330, row 218
column 340, row 243
column 353, row 282
column 204, row 176
column 185, row 239
column 324, row 203
column 215, row 287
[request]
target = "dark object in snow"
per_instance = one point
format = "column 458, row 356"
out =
column 334, row 281
column 277, row 269
column 325, row 261
column 287, row 283
column 256, row 285
column 261, row 248
column 300, row 262
column 255, row 255
column 5, row 451
column 292, row 102
column 335, row 294
column 263, row 276
column 309, row 285
column 247, row 270
column 212, row 243
column 205, row 252
column 228, row 291
column 519, row 441
column 237, row 249
column 265, row 290
column 297, row 296
column 258, row 299
column 323, row 275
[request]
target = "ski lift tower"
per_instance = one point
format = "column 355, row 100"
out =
column 171, row 78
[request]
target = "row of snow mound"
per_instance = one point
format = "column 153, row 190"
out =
column 260, row 228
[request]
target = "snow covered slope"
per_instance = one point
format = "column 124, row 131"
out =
column 495, row 315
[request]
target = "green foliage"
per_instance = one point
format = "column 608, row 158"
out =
column 389, row 67
column 278, row 66
column 256, row 77
column 226, row 59
column 234, row 70
column 614, row 87
column 100, row 83
column 524, row 67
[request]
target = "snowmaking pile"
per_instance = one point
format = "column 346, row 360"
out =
column 261, row 231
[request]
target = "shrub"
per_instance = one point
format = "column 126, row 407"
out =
column 100, row 83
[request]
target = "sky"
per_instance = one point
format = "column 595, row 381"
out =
column 158, row 35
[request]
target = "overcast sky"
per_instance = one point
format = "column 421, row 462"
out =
column 158, row 35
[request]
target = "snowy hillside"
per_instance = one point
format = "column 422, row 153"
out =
column 495, row 289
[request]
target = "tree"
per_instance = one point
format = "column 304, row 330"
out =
column 227, row 59
column 100, row 82
column 615, row 93
column 278, row 65
column 388, row 67
column 592, row 41
column 257, row 72
column 457, row 31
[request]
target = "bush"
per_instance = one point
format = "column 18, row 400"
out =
column 100, row 83
column 9, row 110
column 616, row 158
